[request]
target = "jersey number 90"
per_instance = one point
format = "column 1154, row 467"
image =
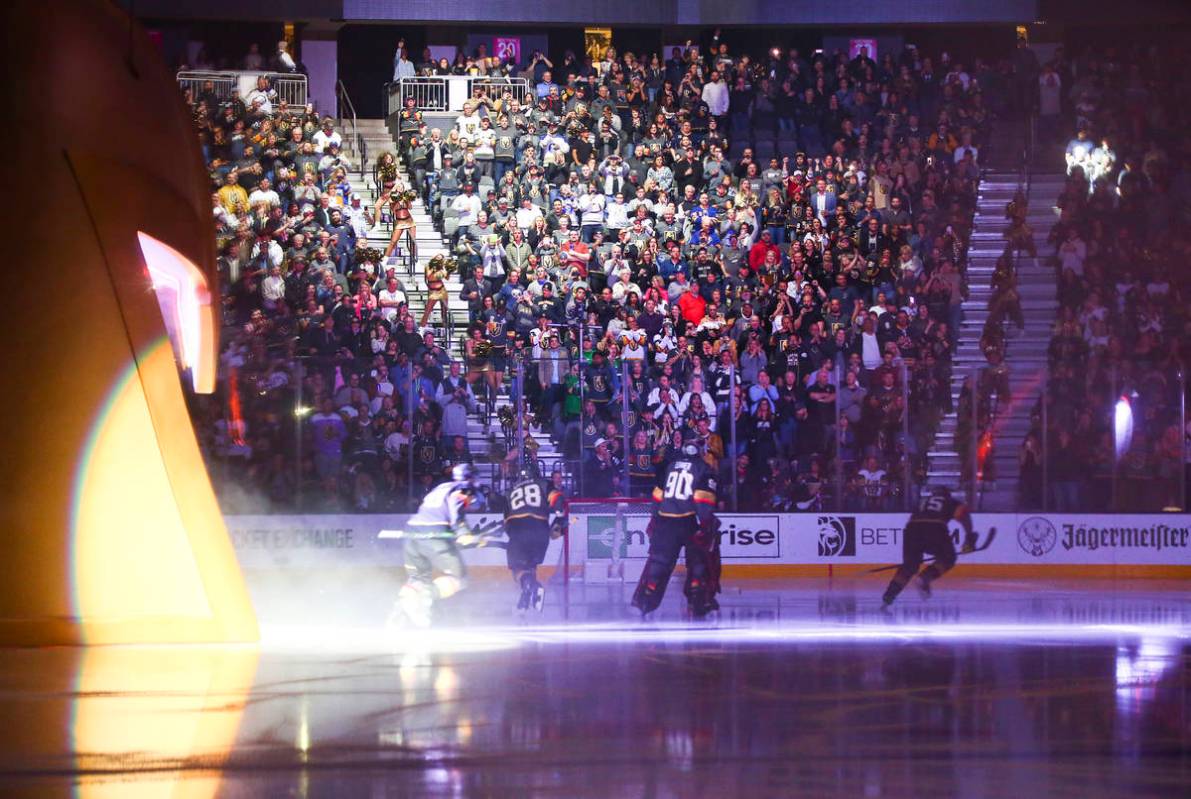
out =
column 680, row 485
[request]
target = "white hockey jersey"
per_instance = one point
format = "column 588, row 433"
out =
column 442, row 510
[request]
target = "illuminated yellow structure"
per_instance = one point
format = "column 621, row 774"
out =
column 111, row 532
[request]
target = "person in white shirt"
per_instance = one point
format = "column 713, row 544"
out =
column 261, row 94
column 274, row 254
column 641, row 198
column 273, row 289
column 283, row 59
column 959, row 75
column 1073, row 252
column 665, row 402
column 468, row 122
column 872, row 481
column 591, row 207
column 617, row 215
column 334, row 159
column 263, row 193
column 664, row 343
column 870, row 348
column 390, row 300
column 327, row 136
column 554, row 143
column 632, row 342
column 1050, row 93
column 715, row 94
column 527, row 215
column 484, row 142
column 384, row 387
column 357, row 217
column 402, row 66
column 966, row 147
column 222, row 217
column 624, row 286
column 468, row 206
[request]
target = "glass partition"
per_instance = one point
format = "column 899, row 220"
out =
column 290, row 432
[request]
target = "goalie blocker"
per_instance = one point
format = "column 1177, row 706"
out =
column 683, row 520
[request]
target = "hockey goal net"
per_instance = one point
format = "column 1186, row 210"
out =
column 604, row 533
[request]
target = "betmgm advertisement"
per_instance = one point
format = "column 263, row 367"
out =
column 804, row 539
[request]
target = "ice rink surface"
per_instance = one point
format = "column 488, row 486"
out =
column 992, row 688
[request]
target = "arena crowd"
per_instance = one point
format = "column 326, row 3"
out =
column 766, row 247
column 1121, row 245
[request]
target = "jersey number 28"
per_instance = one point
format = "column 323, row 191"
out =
column 529, row 494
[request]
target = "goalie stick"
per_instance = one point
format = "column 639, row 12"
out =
column 984, row 544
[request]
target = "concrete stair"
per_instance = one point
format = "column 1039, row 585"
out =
column 484, row 433
column 1026, row 350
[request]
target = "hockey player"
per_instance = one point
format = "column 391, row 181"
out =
column 535, row 515
column 683, row 518
column 431, row 545
column 927, row 533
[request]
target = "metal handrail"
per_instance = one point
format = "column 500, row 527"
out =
column 224, row 84
column 443, row 93
column 291, row 88
column 493, row 88
column 1031, row 144
column 430, row 94
column 344, row 101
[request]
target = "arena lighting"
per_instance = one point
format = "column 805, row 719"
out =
column 405, row 643
column 183, row 704
column 1123, row 425
column 340, row 638
column 181, row 292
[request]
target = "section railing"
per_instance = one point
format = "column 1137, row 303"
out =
column 349, row 124
column 448, row 93
column 290, row 88
column 429, row 94
column 222, row 84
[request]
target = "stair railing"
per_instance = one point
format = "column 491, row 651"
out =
column 347, row 114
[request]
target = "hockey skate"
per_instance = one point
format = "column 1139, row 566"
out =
column 537, row 598
column 412, row 608
column 923, row 586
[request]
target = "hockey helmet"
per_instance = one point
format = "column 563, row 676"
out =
column 940, row 491
column 692, row 443
column 463, row 473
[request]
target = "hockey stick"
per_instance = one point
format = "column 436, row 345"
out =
column 481, row 541
column 984, row 544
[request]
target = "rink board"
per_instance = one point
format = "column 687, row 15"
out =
column 756, row 544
